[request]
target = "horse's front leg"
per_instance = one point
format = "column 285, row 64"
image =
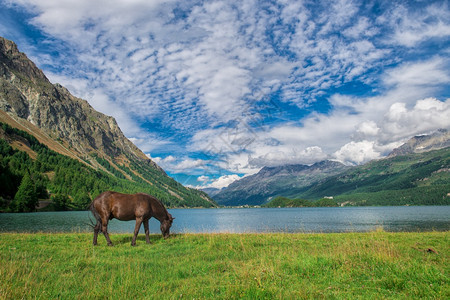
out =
column 136, row 230
column 147, row 232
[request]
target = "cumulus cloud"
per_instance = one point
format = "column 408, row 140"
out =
column 355, row 153
column 367, row 128
column 427, row 115
column 398, row 124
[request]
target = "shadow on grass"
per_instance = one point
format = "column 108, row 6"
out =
column 123, row 239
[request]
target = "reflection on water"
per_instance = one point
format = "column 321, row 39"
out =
column 233, row 220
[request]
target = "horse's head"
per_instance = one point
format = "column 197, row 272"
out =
column 166, row 224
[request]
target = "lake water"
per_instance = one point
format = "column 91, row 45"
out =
column 251, row 220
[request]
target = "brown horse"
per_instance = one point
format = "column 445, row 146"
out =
column 142, row 207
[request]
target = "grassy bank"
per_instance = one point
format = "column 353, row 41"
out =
column 349, row 265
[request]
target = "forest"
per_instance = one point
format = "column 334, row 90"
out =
column 287, row 202
column 412, row 179
column 71, row 184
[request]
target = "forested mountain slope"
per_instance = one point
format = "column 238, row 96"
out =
column 416, row 178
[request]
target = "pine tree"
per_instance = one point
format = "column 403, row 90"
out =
column 60, row 202
column 26, row 198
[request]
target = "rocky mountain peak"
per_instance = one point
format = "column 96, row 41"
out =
column 423, row 143
column 16, row 62
column 27, row 94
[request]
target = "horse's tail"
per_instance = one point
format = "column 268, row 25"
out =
column 96, row 215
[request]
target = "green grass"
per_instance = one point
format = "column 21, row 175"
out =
column 373, row 265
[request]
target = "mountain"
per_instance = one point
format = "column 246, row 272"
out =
column 410, row 179
column 70, row 126
column 418, row 172
column 26, row 94
column 286, row 180
column 423, row 143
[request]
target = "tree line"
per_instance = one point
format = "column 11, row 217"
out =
column 287, row 202
column 70, row 184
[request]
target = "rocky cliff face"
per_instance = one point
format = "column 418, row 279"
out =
column 423, row 143
column 26, row 93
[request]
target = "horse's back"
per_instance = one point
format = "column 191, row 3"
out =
column 123, row 206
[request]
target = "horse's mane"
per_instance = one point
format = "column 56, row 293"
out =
column 159, row 202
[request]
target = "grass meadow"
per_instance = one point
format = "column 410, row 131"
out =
column 226, row 266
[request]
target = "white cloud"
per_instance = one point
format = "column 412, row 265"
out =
column 203, row 179
column 220, row 182
column 184, row 165
column 398, row 124
column 279, row 157
column 356, row 153
column 417, row 25
column 354, row 133
column 367, row 128
column 429, row 73
column 363, row 28
column 214, row 59
column 427, row 115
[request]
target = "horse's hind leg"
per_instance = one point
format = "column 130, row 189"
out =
column 136, row 230
column 105, row 232
column 96, row 231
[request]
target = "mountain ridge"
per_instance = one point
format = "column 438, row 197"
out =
column 410, row 179
column 26, row 93
column 259, row 188
column 333, row 179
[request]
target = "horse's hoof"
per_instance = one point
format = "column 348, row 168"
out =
column 110, row 245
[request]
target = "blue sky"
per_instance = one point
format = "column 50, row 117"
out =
column 216, row 90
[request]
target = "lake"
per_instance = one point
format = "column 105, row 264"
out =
column 250, row 220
